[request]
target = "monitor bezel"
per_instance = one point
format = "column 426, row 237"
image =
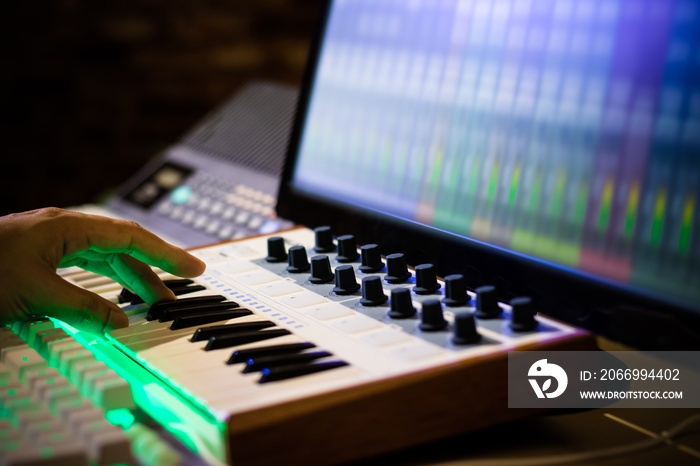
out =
column 612, row 310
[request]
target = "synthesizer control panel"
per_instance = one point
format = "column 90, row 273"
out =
column 303, row 337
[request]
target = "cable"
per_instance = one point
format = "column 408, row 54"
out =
column 664, row 436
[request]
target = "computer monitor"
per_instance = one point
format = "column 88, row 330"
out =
column 548, row 147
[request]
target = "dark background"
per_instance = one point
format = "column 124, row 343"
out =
column 90, row 90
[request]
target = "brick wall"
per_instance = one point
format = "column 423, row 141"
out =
column 91, row 89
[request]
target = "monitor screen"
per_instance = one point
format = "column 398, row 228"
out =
column 563, row 132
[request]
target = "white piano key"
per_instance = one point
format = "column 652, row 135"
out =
column 149, row 340
column 183, row 333
column 253, row 395
column 187, row 366
column 79, row 275
column 96, row 282
column 197, row 360
column 141, row 330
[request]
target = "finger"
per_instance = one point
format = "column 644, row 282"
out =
column 83, row 232
column 99, row 266
column 141, row 279
column 127, row 271
column 75, row 306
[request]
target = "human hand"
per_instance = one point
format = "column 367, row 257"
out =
column 34, row 244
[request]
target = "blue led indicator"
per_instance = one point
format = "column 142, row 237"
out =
column 266, row 371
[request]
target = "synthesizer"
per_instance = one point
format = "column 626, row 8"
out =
column 323, row 350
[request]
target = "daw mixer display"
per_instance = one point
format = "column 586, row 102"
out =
column 566, row 131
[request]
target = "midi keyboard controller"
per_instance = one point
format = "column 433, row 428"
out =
column 302, row 347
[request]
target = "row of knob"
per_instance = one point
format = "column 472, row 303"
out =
column 432, row 319
column 370, row 262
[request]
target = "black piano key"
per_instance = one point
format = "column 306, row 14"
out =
column 178, row 291
column 125, row 296
column 206, row 333
column 262, row 362
column 177, row 282
column 181, row 290
column 244, row 354
column 156, row 309
column 272, row 374
column 207, row 317
column 227, row 341
column 172, row 313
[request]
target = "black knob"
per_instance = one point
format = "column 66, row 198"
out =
column 298, row 262
column 401, row 305
column 522, row 317
column 347, row 249
column 370, row 258
column 455, row 290
column 396, row 269
column 345, row 281
column 372, row 291
column 487, row 302
column 426, row 280
column 276, row 251
column 321, row 270
column 465, row 329
column 324, row 240
column 432, row 319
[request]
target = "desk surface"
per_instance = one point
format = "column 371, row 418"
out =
column 563, row 433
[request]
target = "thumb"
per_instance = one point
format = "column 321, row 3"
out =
column 79, row 308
